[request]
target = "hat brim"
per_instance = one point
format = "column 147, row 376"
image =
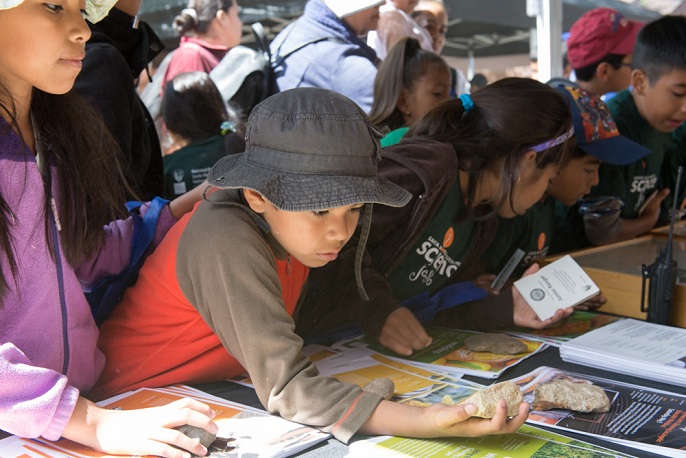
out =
column 9, row 4
column 617, row 150
column 305, row 192
column 96, row 10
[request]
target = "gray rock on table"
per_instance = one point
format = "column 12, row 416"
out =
column 569, row 395
column 494, row 342
column 194, row 432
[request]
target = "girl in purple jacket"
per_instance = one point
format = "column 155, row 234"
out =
column 61, row 185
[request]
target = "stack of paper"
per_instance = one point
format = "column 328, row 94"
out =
column 633, row 347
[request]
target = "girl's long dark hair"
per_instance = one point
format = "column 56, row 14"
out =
column 92, row 187
column 508, row 118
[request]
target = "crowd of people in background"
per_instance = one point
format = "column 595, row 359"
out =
column 267, row 234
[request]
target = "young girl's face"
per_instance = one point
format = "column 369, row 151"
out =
column 529, row 189
column 430, row 89
column 312, row 237
column 43, row 45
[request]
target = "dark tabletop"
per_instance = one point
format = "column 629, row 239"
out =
column 548, row 357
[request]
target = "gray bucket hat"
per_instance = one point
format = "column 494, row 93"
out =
column 309, row 149
column 312, row 149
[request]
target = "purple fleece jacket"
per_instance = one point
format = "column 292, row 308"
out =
column 48, row 352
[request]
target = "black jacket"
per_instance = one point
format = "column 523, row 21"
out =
column 115, row 56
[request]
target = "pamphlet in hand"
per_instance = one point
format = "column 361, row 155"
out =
column 243, row 430
column 639, row 417
column 560, row 284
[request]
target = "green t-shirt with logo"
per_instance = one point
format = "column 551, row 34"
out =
column 188, row 167
column 438, row 252
column 531, row 232
column 635, row 182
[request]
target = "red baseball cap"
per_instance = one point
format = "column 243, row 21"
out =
column 600, row 32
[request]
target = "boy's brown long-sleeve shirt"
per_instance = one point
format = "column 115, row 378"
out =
column 215, row 298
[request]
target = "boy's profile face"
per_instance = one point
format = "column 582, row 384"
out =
column 312, row 237
column 662, row 103
column 575, row 180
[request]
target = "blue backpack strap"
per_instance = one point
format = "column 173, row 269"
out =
column 425, row 307
column 110, row 290
column 144, row 232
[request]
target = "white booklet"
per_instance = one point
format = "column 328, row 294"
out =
column 560, row 284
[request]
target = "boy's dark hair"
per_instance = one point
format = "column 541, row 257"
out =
column 661, row 47
column 193, row 107
column 405, row 63
column 478, row 81
column 92, row 188
column 499, row 128
column 586, row 73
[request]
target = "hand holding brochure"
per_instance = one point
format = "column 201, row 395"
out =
column 560, row 284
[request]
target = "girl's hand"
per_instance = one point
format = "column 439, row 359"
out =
column 525, row 316
column 143, row 431
column 403, row 333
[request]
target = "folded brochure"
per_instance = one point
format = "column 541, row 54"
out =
column 560, row 284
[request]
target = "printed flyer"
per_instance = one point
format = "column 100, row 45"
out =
column 449, row 353
column 639, row 417
column 527, row 442
column 578, row 323
column 243, row 430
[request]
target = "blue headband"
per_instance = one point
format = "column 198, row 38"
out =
column 467, row 102
column 554, row 142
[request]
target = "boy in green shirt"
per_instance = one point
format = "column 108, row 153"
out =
column 648, row 113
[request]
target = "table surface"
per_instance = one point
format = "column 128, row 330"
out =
column 548, row 357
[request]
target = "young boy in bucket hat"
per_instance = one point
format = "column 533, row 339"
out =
column 539, row 231
column 216, row 297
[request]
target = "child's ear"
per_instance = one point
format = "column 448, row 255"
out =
column 602, row 71
column 256, row 201
column 402, row 103
column 639, row 81
column 529, row 158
